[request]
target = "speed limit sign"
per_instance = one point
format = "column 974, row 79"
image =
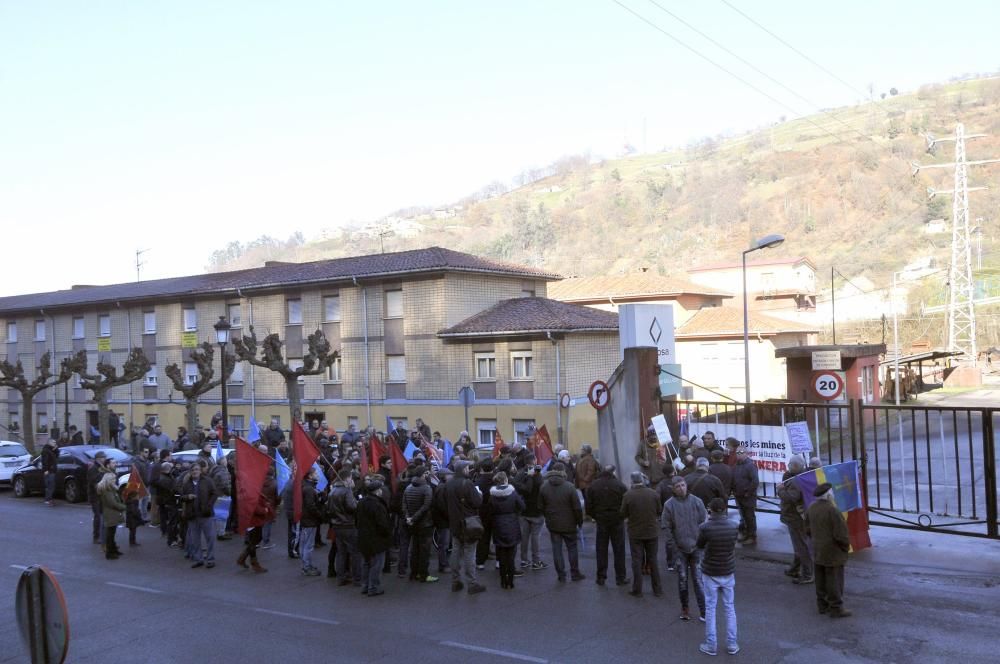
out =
column 827, row 385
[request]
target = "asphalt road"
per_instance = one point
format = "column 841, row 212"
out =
column 149, row 606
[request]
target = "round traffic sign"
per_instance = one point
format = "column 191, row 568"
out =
column 599, row 395
column 42, row 617
column 827, row 385
column 564, row 400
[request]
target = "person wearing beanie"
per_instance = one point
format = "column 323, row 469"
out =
column 604, row 502
column 463, row 500
column 374, row 534
column 641, row 507
column 830, row 543
column 717, row 537
column 560, row 505
column 505, row 505
column 792, row 510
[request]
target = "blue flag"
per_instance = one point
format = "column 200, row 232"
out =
column 321, row 480
column 448, row 453
column 389, row 426
column 219, row 454
column 282, row 473
column 410, row 450
column 253, row 435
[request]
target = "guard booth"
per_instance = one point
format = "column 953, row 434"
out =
column 833, row 373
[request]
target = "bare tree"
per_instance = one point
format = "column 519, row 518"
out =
column 204, row 358
column 107, row 377
column 12, row 376
column 317, row 360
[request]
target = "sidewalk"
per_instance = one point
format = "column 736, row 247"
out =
column 920, row 551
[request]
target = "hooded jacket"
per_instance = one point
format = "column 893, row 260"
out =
column 604, row 500
column 505, row 505
column 560, row 504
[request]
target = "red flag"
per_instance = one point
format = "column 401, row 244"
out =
column 305, row 453
column 251, row 471
column 432, row 452
column 398, row 464
column 377, row 452
column 543, row 447
column 362, row 448
column 498, row 444
column 135, row 484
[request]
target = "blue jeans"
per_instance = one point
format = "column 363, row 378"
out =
column 50, row 486
column 371, row 572
column 266, row 532
column 570, row 540
column 689, row 574
column 307, row 542
column 198, row 530
column 713, row 586
column 531, row 527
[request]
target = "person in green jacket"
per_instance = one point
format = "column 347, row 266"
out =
column 113, row 511
column 831, row 543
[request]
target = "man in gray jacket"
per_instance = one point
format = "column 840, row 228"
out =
column 341, row 507
column 560, row 504
column 682, row 517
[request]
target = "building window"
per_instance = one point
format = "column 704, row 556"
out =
column 79, row 329
column 39, row 330
column 150, row 376
column 486, row 431
column 152, row 419
column 295, row 312
column 149, row 322
column 394, row 304
column 190, row 373
column 11, row 332
column 331, row 308
column 190, row 319
column 14, row 420
column 520, row 365
column 520, row 430
column 486, row 366
column 396, row 368
column 400, row 421
column 42, row 422
column 235, row 312
column 104, row 325
column 237, row 375
column 352, row 420
column 237, row 425
column 295, row 365
column 333, row 371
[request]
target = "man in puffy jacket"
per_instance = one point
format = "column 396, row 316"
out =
column 463, row 499
column 604, row 502
column 745, row 484
column 312, row 517
column 717, row 537
column 682, row 517
column 341, row 509
column 417, row 502
column 641, row 507
column 563, row 513
column 528, row 484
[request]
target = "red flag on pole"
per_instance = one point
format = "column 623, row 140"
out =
column 251, row 471
column 377, row 452
column 543, row 447
column 363, row 449
column 135, row 484
column 398, row 465
column 305, row 453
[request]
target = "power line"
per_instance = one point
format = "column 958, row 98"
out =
column 759, row 70
column 723, row 69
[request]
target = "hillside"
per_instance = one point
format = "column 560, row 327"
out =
column 838, row 185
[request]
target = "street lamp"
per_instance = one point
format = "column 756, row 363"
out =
column 895, row 384
column 222, row 328
column 766, row 242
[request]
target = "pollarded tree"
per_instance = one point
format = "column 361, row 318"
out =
column 12, row 376
column 107, row 378
column 317, row 360
column 204, row 358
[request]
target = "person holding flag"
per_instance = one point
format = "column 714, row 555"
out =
column 257, row 497
column 311, row 518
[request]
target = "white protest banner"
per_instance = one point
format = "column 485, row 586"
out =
column 799, row 438
column 769, row 446
column 662, row 431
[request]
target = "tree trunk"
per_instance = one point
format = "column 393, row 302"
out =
column 294, row 402
column 191, row 415
column 28, row 420
column 102, row 418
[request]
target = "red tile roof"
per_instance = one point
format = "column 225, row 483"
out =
column 626, row 286
column 390, row 265
column 533, row 315
column 728, row 321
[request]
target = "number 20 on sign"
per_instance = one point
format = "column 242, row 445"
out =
column 827, row 385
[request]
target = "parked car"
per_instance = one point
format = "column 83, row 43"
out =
column 12, row 456
column 71, row 471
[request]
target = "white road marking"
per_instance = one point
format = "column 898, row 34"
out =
column 139, row 588
column 491, row 651
column 297, row 616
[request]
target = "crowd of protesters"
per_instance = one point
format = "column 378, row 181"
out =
column 448, row 516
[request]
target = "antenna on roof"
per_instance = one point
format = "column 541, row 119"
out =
column 139, row 264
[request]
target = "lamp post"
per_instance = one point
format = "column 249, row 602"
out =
column 766, row 242
column 222, row 328
column 895, row 386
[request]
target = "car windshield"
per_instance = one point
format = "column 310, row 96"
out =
column 109, row 452
column 12, row 451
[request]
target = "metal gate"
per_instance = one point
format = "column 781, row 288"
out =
column 924, row 467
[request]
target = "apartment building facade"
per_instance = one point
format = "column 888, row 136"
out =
column 388, row 316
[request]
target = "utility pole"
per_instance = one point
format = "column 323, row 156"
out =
column 139, row 264
column 961, row 287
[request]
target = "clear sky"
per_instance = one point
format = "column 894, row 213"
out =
column 181, row 126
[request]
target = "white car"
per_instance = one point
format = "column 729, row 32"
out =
column 12, row 456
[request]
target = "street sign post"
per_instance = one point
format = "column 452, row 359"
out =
column 42, row 617
column 599, row 395
column 467, row 396
column 828, row 385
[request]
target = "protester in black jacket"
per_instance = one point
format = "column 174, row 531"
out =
column 439, row 515
column 463, row 499
column 505, row 504
column 312, row 517
column 745, row 482
column 417, row 504
column 484, row 481
column 342, row 508
column 528, row 484
column 50, row 456
column 374, row 534
column 604, row 502
column 199, row 495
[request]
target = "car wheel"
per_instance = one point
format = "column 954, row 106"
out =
column 71, row 492
column 20, row 488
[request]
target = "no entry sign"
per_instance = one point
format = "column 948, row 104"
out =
column 827, row 385
column 599, row 395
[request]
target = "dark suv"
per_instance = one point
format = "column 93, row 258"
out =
column 71, row 471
